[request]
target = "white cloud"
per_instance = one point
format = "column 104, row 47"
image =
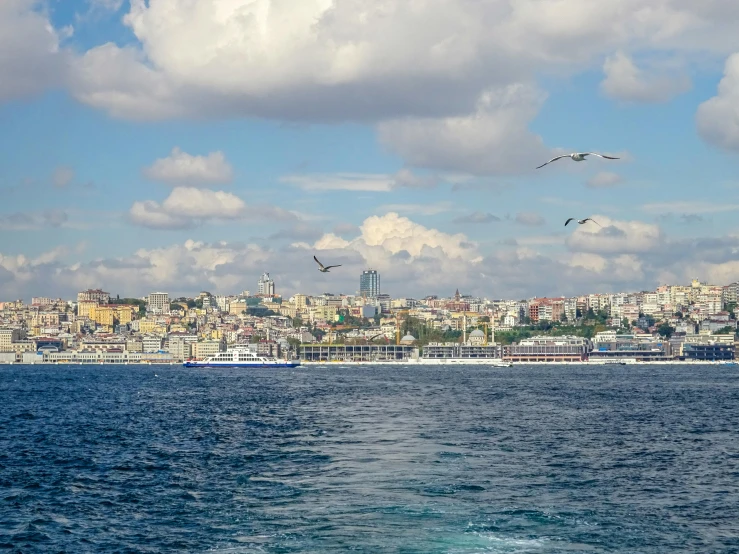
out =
column 187, row 207
column 476, row 217
column 405, row 178
column 604, row 179
column 62, row 176
column 353, row 59
column 530, row 219
column 108, row 5
column 357, row 182
column 412, row 259
column 689, row 206
column 615, row 236
column 181, row 168
column 26, row 221
column 625, row 81
column 492, row 140
column 31, row 59
column 420, row 209
column 718, row 118
column 360, row 182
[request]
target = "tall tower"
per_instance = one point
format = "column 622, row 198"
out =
column 369, row 284
column 266, row 286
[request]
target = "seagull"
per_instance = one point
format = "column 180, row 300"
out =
column 322, row 268
column 578, row 157
column 581, row 221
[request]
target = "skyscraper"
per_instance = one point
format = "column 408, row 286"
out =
column 266, row 286
column 369, row 283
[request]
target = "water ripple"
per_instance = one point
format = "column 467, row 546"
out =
column 382, row 460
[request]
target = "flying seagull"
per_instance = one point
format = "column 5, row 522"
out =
column 581, row 221
column 324, row 268
column 578, row 157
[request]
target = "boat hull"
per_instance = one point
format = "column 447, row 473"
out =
column 243, row 365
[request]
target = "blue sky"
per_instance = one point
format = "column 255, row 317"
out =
column 413, row 128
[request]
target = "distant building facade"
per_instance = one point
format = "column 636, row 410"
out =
column 158, row 302
column 266, row 286
column 369, row 284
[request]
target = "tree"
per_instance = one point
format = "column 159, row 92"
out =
column 297, row 322
column 666, row 330
column 730, row 307
column 679, row 315
column 725, row 330
column 625, row 323
column 294, row 344
column 485, row 319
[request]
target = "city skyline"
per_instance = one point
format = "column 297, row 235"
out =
column 135, row 160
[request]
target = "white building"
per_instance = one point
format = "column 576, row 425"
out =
column 158, row 302
column 266, row 286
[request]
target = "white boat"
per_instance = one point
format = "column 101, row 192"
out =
column 241, row 356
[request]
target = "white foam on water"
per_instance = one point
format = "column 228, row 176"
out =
column 486, row 543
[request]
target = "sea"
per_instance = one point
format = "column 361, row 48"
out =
column 362, row 459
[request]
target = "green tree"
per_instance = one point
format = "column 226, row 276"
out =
column 294, row 344
column 726, row 330
column 665, row 330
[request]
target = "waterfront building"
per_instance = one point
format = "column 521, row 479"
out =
column 357, row 353
column 548, row 349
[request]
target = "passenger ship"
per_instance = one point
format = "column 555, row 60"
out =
column 241, row 356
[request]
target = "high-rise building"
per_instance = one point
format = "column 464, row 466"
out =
column 369, row 284
column 158, row 302
column 266, row 286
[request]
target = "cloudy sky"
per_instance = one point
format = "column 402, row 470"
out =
column 183, row 145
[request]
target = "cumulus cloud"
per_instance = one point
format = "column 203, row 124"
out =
column 625, row 81
column 615, row 236
column 476, row 217
column 181, row 168
column 494, row 139
column 717, row 119
column 357, row 60
column 530, row 219
column 604, row 179
column 188, row 207
column 413, row 260
column 32, row 59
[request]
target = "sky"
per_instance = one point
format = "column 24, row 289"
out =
column 183, row 145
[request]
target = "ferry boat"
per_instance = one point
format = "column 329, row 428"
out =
column 241, row 356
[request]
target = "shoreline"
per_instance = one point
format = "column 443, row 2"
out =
column 337, row 363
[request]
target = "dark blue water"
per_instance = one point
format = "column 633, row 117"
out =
column 374, row 460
